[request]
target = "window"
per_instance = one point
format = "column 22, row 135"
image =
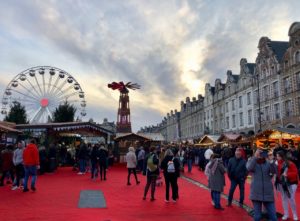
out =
column 287, row 85
column 227, row 122
column 272, row 70
column 249, row 117
column 233, row 121
column 275, row 89
column 277, row 111
column 257, row 115
column 297, row 57
column 240, row 101
column 256, row 98
column 266, row 92
column 249, row 98
column 298, row 80
column 241, row 120
column 232, row 105
column 288, row 108
column 266, row 114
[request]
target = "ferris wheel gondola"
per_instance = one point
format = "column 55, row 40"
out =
column 42, row 89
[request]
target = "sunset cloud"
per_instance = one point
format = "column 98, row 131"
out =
column 172, row 48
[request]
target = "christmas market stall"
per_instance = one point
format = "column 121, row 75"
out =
column 208, row 140
column 231, row 139
column 60, row 132
column 8, row 133
column 125, row 140
column 282, row 136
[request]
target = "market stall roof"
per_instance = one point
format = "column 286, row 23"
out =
column 8, row 127
column 208, row 140
column 229, row 137
column 295, row 131
column 63, row 127
column 124, row 136
column 153, row 136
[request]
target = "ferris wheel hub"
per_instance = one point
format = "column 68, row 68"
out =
column 44, row 102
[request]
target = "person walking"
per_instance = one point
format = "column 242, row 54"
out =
column 171, row 169
column 189, row 155
column 261, row 188
column 82, row 156
column 216, row 180
column 7, row 164
column 237, row 173
column 131, row 165
column 19, row 166
column 94, row 161
column 152, row 172
column 31, row 163
column 103, row 154
column 141, row 158
column 287, row 183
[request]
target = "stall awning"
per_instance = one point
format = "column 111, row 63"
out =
column 295, row 131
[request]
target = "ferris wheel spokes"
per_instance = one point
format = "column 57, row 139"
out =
column 28, row 90
column 38, row 84
column 54, row 85
column 40, row 92
column 26, row 95
column 33, row 87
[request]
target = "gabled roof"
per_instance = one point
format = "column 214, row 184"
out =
column 279, row 48
column 121, row 136
column 153, row 136
column 208, row 140
column 8, row 129
column 229, row 137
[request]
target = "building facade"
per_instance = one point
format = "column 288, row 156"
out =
column 264, row 95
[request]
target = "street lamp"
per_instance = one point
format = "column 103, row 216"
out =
column 258, row 100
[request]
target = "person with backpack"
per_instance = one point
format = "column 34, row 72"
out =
column 152, row 173
column 102, row 155
column 171, row 168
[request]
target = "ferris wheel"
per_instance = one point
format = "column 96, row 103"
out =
column 41, row 90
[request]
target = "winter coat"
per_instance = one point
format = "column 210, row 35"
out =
column 216, row 180
column 31, row 155
column 237, row 169
column 292, row 171
column 103, row 154
column 83, row 152
column 261, row 188
column 164, row 165
column 7, row 160
column 131, row 159
column 18, row 156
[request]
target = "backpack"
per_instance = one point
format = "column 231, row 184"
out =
column 150, row 164
column 171, row 166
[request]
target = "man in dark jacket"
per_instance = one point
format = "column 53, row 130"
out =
column 237, row 173
column 82, row 156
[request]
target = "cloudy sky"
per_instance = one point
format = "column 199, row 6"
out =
column 171, row 47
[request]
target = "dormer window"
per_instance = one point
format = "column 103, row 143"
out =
column 297, row 57
column 286, row 63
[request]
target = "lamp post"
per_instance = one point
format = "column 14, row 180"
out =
column 258, row 100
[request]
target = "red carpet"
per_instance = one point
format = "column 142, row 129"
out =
column 200, row 177
column 57, row 197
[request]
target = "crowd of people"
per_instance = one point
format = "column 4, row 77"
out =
column 273, row 169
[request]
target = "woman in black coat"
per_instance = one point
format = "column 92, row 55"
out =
column 171, row 168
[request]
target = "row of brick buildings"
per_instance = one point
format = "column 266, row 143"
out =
column 264, row 95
